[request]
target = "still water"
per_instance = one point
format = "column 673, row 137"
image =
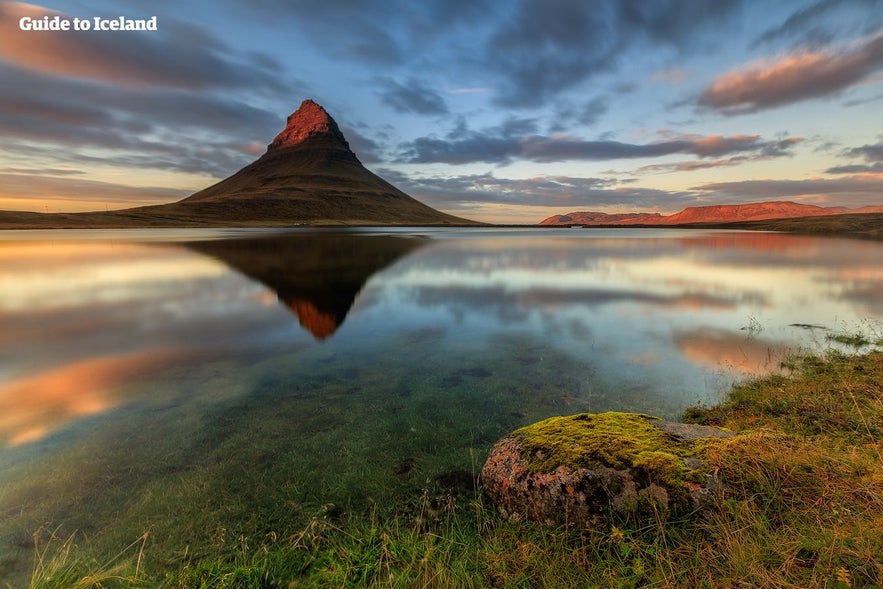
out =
column 197, row 383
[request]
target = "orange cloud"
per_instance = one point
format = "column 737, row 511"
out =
column 66, row 53
column 33, row 406
column 792, row 78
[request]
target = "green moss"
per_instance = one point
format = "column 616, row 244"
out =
column 615, row 440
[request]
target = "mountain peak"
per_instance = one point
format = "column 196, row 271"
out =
column 309, row 120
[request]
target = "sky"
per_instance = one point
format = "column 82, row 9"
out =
column 500, row 111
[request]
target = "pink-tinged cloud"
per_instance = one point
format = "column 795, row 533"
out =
column 177, row 55
column 793, row 78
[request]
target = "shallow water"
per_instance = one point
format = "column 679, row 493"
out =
column 210, row 383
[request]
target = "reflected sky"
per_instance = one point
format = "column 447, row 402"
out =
column 675, row 314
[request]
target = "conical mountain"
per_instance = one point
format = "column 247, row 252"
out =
column 310, row 175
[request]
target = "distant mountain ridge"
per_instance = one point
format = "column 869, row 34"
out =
column 758, row 211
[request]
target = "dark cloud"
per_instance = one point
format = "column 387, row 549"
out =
column 366, row 149
column 872, row 154
column 378, row 32
column 792, row 78
column 177, row 55
column 412, row 97
column 547, row 47
column 587, row 113
column 814, row 23
column 160, row 128
column 529, row 50
column 856, row 169
column 468, row 191
column 508, row 142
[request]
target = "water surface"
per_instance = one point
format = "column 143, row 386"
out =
column 205, row 384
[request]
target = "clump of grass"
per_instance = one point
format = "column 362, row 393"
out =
column 59, row 564
column 856, row 340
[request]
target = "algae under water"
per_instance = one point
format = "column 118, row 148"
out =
column 211, row 386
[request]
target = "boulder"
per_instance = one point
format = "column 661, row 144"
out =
column 576, row 470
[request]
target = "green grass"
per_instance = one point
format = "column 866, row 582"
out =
column 804, row 508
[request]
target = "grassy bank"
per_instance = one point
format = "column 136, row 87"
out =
column 804, row 509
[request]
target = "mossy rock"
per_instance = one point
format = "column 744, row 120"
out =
column 576, row 470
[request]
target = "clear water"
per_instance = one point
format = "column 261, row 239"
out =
column 203, row 384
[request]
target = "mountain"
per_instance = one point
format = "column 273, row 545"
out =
column 308, row 176
column 595, row 218
column 708, row 214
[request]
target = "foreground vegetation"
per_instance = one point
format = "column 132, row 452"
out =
column 804, row 509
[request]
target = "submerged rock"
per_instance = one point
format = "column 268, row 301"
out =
column 575, row 470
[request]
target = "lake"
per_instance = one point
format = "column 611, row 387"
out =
column 210, row 386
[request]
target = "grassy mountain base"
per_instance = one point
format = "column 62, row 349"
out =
column 804, row 509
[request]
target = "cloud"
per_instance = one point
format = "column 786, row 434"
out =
column 816, row 21
column 412, row 97
column 692, row 166
column 587, row 113
column 366, row 149
column 872, row 153
column 792, row 78
column 546, row 47
column 178, row 55
column 672, row 77
column 856, row 169
column 853, row 191
column 470, row 191
column 159, row 128
column 505, row 143
column 33, row 191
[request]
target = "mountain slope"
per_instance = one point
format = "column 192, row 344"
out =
column 310, row 175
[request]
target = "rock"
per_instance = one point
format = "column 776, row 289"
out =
column 578, row 469
column 309, row 120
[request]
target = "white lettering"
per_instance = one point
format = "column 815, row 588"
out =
column 125, row 24
column 58, row 23
column 55, row 23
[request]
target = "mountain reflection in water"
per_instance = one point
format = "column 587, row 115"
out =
column 316, row 276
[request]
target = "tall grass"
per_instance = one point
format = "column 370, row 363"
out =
column 59, row 564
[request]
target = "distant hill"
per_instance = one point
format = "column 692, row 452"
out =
column 714, row 214
column 308, row 176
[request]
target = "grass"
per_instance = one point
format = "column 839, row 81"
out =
column 804, row 508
